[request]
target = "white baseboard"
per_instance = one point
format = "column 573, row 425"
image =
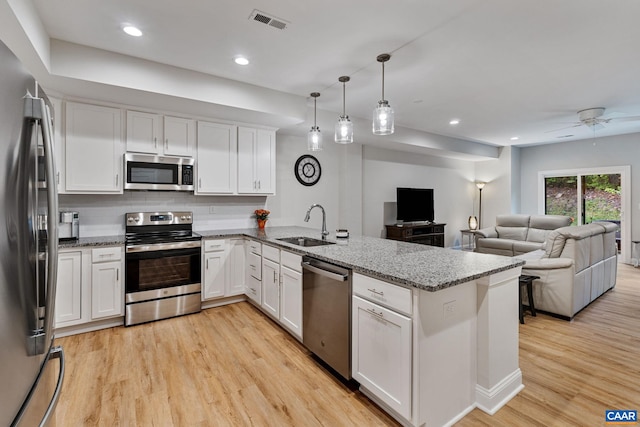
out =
column 490, row 401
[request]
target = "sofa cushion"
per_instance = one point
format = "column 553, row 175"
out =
column 513, row 233
column 549, row 222
column 524, row 247
column 512, row 220
column 495, row 246
column 554, row 244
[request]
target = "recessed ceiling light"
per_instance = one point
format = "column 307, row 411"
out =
column 515, row 138
column 131, row 30
column 454, row 122
column 241, row 60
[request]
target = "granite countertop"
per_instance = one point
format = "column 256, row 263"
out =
column 407, row 264
column 92, row 241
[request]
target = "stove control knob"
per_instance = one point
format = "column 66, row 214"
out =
column 133, row 219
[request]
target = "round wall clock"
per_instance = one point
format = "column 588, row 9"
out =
column 307, row 170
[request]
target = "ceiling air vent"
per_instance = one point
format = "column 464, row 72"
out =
column 271, row 21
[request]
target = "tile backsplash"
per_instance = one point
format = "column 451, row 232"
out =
column 103, row 215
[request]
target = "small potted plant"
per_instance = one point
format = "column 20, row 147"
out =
column 261, row 215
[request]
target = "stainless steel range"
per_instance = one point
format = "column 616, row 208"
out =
column 163, row 261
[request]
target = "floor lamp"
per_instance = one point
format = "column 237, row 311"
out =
column 480, row 186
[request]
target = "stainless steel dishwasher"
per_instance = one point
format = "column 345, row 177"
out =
column 326, row 313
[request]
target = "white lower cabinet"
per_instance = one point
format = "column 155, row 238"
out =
column 291, row 293
column 253, row 271
column 271, row 287
column 215, row 271
column 223, row 269
column 107, row 292
column 69, row 288
column 381, row 350
column 236, row 281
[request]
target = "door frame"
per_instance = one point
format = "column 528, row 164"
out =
column 625, row 198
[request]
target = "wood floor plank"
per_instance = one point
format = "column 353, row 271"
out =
column 233, row 366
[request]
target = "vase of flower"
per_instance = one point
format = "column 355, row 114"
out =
column 261, row 216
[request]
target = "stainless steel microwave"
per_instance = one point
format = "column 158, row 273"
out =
column 149, row 172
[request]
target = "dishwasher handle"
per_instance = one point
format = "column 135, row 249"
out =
column 335, row 276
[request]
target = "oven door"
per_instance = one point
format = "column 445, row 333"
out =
column 159, row 269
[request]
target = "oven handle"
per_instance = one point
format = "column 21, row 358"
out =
column 163, row 246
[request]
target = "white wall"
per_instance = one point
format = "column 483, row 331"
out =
column 384, row 170
column 501, row 194
column 618, row 150
column 290, row 204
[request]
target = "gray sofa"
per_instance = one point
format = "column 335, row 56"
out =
column 577, row 266
column 518, row 234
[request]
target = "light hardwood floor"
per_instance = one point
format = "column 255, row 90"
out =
column 233, row 366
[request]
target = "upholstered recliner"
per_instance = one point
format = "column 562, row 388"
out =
column 517, row 234
column 577, row 266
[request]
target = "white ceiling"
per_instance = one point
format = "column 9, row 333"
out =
column 504, row 68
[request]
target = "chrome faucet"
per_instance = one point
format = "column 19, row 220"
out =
column 324, row 219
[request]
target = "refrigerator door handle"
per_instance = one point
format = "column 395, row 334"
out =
column 52, row 225
column 55, row 353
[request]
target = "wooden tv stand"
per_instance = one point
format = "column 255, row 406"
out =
column 426, row 234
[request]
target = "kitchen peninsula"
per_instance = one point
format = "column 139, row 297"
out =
column 460, row 322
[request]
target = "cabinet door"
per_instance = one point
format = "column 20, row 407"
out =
column 107, row 294
column 215, row 274
column 291, row 301
column 235, row 282
column 143, row 132
column 179, row 136
column 381, row 351
column 265, row 162
column 271, row 287
column 94, row 149
column 68, row 291
column 216, row 168
column 246, row 170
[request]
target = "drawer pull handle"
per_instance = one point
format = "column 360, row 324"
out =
column 372, row 311
column 103, row 255
column 376, row 292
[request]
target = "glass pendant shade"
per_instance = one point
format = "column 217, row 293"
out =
column 344, row 130
column 383, row 119
column 473, row 223
column 344, row 126
column 314, row 137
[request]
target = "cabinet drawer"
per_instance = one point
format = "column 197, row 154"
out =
column 269, row 252
column 214, row 245
column 291, row 260
column 383, row 293
column 254, row 265
column 254, row 289
column 255, row 247
column 106, row 254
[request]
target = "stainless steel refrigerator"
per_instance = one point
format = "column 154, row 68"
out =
column 31, row 368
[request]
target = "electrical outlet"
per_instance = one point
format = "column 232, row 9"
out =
column 449, row 309
column 212, row 209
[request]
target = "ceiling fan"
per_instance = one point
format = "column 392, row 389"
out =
column 593, row 118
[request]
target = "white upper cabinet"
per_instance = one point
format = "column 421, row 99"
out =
column 256, row 161
column 146, row 133
column 179, row 136
column 93, row 149
column 216, row 168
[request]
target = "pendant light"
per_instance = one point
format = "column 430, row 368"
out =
column 314, row 137
column 344, row 126
column 383, row 113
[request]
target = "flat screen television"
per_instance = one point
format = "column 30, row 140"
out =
column 414, row 204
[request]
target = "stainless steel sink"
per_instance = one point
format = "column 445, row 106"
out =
column 305, row 241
